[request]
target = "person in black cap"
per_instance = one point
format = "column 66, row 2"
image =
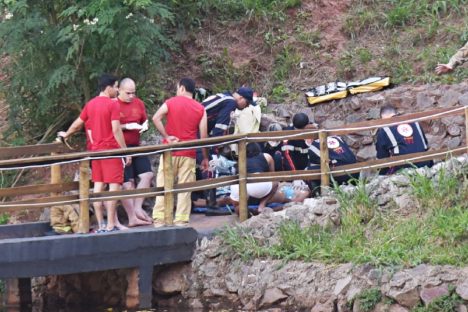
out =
column 218, row 108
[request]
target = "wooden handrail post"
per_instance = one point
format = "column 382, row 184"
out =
column 84, row 197
column 168, row 187
column 242, row 165
column 55, row 175
column 324, row 162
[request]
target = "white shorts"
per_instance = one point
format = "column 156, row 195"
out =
column 256, row 190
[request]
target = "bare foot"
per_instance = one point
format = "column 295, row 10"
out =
column 120, row 226
column 139, row 222
column 142, row 215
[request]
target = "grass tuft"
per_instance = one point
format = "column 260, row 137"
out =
column 368, row 299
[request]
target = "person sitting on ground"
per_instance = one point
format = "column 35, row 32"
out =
column 457, row 59
column 402, row 139
column 339, row 154
column 290, row 192
column 296, row 151
column 257, row 162
column 134, row 121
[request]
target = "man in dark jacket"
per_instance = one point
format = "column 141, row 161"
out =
column 398, row 140
column 296, row 151
column 339, row 154
column 220, row 106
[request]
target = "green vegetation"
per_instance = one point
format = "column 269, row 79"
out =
column 222, row 72
column 58, row 48
column 237, row 9
column 4, row 218
column 7, row 178
column 368, row 299
column 410, row 33
column 447, row 303
column 436, row 234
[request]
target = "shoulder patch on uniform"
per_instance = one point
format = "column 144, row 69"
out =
column 333, row 142
column 405, row 130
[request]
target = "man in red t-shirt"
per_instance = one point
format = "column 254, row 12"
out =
column 134, row 121
column 185, row 118
column 101, row 118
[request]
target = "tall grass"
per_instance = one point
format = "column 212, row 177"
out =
column 437, row 234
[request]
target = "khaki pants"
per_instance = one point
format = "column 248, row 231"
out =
column 184, row 171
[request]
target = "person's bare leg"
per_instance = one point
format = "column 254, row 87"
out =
column 129, row 206
column 236, row 205
column 112, row 219
column 264, row 200
column 145, row 182
column 99, row 187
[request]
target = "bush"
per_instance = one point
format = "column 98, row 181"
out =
column 57, row 49
column 4, row 218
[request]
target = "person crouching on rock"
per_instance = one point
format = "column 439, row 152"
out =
column 257, row 162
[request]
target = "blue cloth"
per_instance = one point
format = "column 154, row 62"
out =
column 231, row 208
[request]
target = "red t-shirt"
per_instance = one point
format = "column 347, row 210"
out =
column 98, row 115
column 183, row 120
column 132, row 112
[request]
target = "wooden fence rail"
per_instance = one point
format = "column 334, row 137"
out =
column 83, row 197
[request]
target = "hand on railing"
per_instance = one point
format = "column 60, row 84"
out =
column 62, row 138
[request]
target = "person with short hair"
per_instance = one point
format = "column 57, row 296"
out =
column 275, row 149
column 185, row 120
column 220, row 106
column 339, row 153
column 296, row 151
column 134, row 121
column 457, row 59
column 402, row 139
column 101, row 118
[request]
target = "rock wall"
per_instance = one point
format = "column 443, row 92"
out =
column 292, row 286
column 446, row 132
column 263, row 284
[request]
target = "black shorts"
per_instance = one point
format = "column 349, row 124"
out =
column 140, row 164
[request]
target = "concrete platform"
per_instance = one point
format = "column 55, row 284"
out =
column 23, row 257
column 26, row 251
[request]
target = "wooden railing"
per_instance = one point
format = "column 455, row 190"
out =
column 83, row 197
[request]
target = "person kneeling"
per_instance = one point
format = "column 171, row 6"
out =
column 257, row 162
